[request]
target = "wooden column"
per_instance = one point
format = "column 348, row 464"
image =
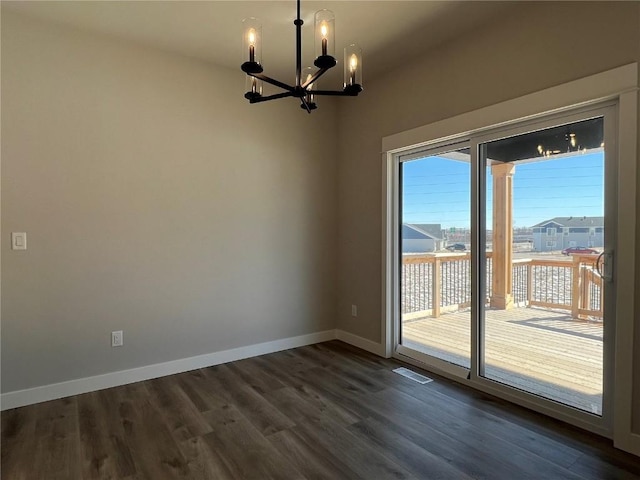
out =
column 502, row 282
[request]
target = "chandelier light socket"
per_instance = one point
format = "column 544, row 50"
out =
column 252, row 45
column 325, row 33
column 353, row 69
column 253, row 88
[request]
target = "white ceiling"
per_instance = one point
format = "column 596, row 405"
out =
column 389, row 32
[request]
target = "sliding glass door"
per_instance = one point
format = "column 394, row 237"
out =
column 505, row 257
column 546, row 236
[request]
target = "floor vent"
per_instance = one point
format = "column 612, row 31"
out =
column 416, row 377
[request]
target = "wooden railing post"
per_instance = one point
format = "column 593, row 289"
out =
column 586, row 289
column 437, row 287
column 575, row 287
column 529, row 283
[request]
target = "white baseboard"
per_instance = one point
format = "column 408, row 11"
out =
column 53, row 391
column 20, row 398
column 360, row 342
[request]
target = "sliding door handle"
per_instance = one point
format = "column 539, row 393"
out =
column 604, row 265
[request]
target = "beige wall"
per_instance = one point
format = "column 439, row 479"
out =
column 535, row 46
column 156, row 201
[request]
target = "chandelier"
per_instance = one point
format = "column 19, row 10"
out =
column 306, row 80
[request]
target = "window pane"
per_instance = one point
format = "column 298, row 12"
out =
column 435, row 280
column 543, row 322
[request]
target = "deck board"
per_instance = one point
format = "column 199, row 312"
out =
column 533, row 349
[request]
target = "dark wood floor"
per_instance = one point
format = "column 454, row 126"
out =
column 324, row 411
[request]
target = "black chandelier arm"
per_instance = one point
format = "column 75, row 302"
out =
column 337, row 93
column 260, row 98
column 272, row 81
column 315, row 77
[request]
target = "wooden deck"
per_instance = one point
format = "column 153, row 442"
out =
column 538, row 350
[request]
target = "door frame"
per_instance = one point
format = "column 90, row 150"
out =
column 618, row 85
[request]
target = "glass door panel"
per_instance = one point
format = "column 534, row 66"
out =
column 435, row 257
column 542, row 324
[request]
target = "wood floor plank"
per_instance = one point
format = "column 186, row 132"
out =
column 335, row 389
column 201, row 393
column 244, row 450
column 154, row 450
column 405, row 416
column 365, row 359
column 301, row 405
column 328, row 411
column 19, row 442
column 264, row 416
column 591, row 446
column 506, row 455
column 535, row 443
column 181, row 416
column 476, row 458
column 597, row 467
column 105, row 454
column 351, row 371
column 58, row 449
column 312, row 460
column 291, row 361
column 204, row 463
column 358, row 454
column 502, row 467
column 276, row 366
column 255, row 376
column 420, row 462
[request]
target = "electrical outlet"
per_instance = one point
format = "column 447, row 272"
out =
column 18, row 241
column 354, row 310
column 117, row 338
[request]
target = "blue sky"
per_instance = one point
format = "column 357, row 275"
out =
column 437, row 190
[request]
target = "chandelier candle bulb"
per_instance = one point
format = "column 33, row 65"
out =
column 352, row 70
column 252, row 44
column 353, row 65
column 323, row 32
column 324, row 38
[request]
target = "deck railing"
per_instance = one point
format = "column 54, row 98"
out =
column 436, row 283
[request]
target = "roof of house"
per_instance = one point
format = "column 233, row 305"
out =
column 421, row 230
column 574, row 222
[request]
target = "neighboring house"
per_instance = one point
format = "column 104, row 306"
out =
column 421, row 237
column 562, row 232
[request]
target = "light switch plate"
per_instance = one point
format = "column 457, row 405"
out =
column 18, row 241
